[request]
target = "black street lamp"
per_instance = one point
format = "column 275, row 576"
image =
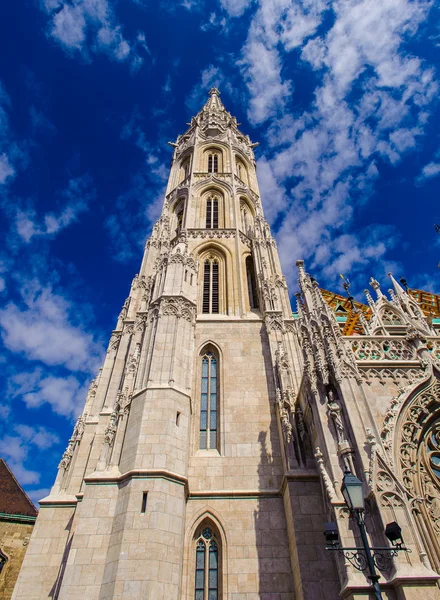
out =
column 365, row 558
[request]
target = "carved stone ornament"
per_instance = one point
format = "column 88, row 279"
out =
column 77, row 434
column 110, row 431
column 334, row 411
column 372, row 443
column 114, row 341
column 281, row 357
column 328, row 485
column 274, row 321
column 179, row 307
column 286, row 425
column 419, row 454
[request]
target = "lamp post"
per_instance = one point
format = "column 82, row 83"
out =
column 365, row 558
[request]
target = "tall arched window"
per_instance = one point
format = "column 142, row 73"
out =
column 212, row 213
column 185, row 169
column 247, row 219
column 241, row 171
column 213, row 162
column 209, row 403
column 211, row 286
column 252, row 287
column 207, row 572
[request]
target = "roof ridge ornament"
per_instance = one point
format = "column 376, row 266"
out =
column 214, row 92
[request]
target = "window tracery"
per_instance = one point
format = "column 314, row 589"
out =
column 419, row 458
column 207, row 567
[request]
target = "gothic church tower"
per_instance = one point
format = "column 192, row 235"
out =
column 207, row 457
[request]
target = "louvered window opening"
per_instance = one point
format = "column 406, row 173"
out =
column 212, row 213
column 211, row 287
column 207, row 568
column 208, row 403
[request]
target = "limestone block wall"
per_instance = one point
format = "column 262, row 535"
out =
column 41, row 570
column 14, row 539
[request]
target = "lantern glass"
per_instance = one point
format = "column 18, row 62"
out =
column 352, row 491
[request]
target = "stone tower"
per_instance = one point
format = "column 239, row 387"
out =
column 211, row 446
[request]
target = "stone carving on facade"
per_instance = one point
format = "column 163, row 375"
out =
column 378, row 349
column 114, row 341
column 328, row 485
column 76, row 437
column 281, row 357
column 274, row 321
column 179, row 307
column 401, row 376
column 110, row 431
column 124, row 310
column 67, row 456
column 334, row 411
column 371, row 442
column 419, row 454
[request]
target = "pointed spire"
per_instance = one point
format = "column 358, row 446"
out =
column 214, row 103
column 397, row 287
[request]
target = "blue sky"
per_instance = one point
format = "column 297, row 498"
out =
column 341, row 94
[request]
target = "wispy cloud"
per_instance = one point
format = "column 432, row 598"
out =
column 89, row 27
column 16, row 446
column 371, row 104
column 41, row 329
column 75, row 197
column 65, row 395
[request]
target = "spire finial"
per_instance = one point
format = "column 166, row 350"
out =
column 214, row 92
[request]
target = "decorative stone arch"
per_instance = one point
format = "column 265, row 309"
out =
column 204, row 518
column 215, row 252
column 213, row 193
column 213, row 159
column 417, row 460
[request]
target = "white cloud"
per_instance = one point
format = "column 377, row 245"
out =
column 235, row 8
column 16, row 448
column 429, row 171
column 90, row 26
column 42, row 330
column 373, row 99
column 65, row 395
column 6, row 169
column 76, row 196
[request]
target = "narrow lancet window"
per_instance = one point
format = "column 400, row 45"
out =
column 252, row 288
column 213, row 163
column 212, row 213
column 200, row 571
column 207, row 583
column 208, row 403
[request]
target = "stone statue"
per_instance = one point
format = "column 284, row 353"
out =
column 335, row 413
